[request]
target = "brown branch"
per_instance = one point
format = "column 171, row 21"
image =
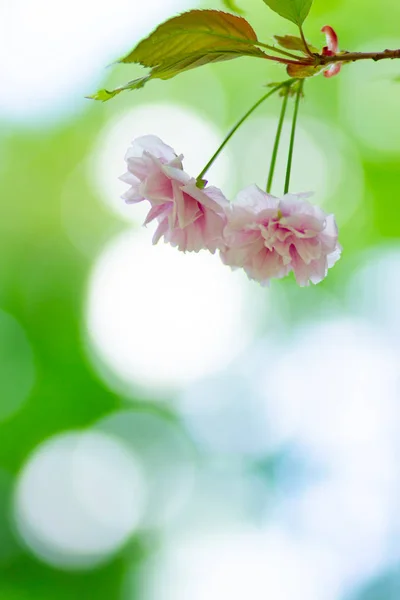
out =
column 355, row 56
column 316, row 60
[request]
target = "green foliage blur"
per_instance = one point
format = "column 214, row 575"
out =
column 50, row 211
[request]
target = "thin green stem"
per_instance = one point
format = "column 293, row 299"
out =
column 306, row 46
column 278, row 50
column 287, row 61
column 254, row 43
column 277, row 140
column 293, row 134
column 238, row 124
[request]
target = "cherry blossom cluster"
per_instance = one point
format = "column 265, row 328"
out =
column 268, row 237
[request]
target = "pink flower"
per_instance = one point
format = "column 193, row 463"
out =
column 269, row 237
column 331, row 49
column 188, row 217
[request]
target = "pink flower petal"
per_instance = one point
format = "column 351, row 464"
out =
column 161, row 230
column 270, row 242
column 186, row 209
column 153, row 146
column 331, row 39
column 157, row 212
column 331, row 49
column 333, row 70
column 256, row 200
column 189, row 218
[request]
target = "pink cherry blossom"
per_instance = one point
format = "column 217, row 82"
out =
column 331, row 49
column 188, row 217
column 270, row 237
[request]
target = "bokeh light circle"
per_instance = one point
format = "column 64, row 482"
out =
column 17, row 370
column 159, row 318
column 79, row 498
column 222, row 413
column 236, row 563
column 166, row 456
column 363, row 89
column 374, row 290
column 320, row 408
column 332, row 390
column 65, row 72
column 227, row 491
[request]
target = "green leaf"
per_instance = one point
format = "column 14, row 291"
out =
column 166, row 71
column 304, row 71
column 292, row 42
column 193, row 39
column 231, row 5
column 198, row 33
column 190, row 61
column 104, row 95
column 292, row 10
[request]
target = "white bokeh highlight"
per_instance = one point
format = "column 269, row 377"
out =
column 334, row 390
column 361, row 91
column 238, row 563
column 160, row 319
column 70, row 45
column 335, row 386
column 78, row 499
column 222, row 414
column 350, row 515
column 374, row 290
column 325, row 394
column 227, row 491
column 185, row 130
column 166, row 456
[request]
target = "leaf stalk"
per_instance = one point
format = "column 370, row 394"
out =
column 201, row 175
column 277, row 140
column 293, row 134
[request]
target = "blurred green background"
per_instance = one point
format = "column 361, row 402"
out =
column 169, row 430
